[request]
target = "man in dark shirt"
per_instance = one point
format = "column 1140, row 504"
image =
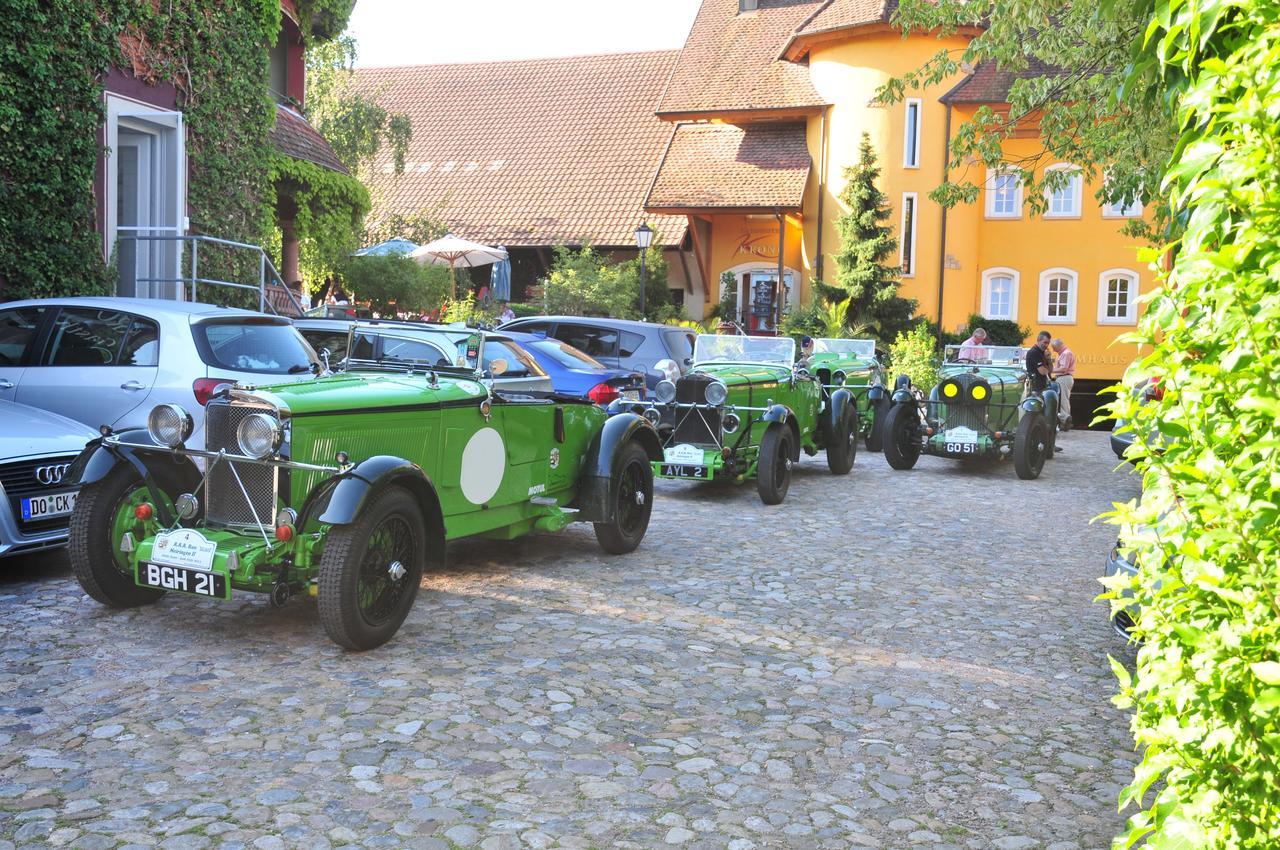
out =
column 1038, row 372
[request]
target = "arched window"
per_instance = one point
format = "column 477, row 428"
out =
column 1064, row 200
column 1000, row 294
column 1118, row 297
column 1058, row 288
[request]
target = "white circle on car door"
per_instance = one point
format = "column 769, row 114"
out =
column 484, row 462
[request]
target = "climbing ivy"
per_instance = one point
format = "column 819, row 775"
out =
column 54, row 56
column 331, row 211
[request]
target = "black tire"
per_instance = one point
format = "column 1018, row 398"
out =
column 842, row 446
column 773, row 468
column 879, row 412
column 362, row 602
column 632, row 494
column 901, row 435
column 93, row 544
column 1030, row 444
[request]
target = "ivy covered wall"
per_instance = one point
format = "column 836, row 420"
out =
column 54, row 56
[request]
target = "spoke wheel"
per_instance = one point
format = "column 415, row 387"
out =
column 370, row 571
column 632, row 503
column 773, row 469
column 901, row 435
column 1030, row 445
column 103, row 515
column 842, row 450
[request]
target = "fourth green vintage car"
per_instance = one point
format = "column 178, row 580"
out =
column 348, row 486
column 852, row 364
column 978, row 410
column 747, row 410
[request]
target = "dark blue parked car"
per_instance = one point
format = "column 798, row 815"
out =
column 574, row 373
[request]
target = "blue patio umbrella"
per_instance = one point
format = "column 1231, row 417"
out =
column 500, row 280
column 391, row 247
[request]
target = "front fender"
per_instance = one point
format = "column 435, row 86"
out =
column 840, row 399
column 1032, row 404
column 877, row 393
column 163, row 471
column 902, row 396
column 349, row 492
column 776, row 413
column 595, row 480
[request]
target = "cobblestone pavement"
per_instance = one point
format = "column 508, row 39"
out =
column 892, row 660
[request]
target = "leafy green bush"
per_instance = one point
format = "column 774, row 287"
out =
column 394, row 284
column 582, row 283
column 1205, row 693
column 915, row 354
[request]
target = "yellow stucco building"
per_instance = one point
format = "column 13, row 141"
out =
column 769, row 100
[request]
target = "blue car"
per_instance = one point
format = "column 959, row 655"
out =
column 574, row 373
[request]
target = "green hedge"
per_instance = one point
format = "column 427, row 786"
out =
column 1205, row 693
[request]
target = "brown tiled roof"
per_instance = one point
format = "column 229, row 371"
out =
column 730, row 60
column 294, row 137
column 724, row 165
column 529, row 153
column 838, row 14
column 989, row 84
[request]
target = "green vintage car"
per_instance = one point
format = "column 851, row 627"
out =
column 347, row 487
column 746, row 410
column 853, row 364
column 977, row 411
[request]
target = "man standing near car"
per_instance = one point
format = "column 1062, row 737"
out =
column 1064, row 371
column 1039, row 372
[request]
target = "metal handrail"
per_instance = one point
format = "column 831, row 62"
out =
column 267, row 273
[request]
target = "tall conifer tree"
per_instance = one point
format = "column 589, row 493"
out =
column 865, row 271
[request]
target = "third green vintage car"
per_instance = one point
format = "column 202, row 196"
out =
column 853, row 364
column 977, row 411
column 747, row 410
column 347, row 487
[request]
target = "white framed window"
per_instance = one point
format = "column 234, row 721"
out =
column 911, row 134
column 1000, row 294
column 1004, row 194
column 1133, row 209
column 1118, row 297
column 907, row 242
column 1058, row 288
column 1064, row 201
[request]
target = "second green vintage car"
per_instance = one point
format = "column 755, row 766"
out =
column 853, row 364
column 747, row 410
column 977, row 411
column 348, row 487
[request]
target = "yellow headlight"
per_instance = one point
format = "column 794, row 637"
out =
column 950, row 390
column 979, row 392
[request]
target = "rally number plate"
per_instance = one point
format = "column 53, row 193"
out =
column 682, row 470
column 45, row 507
column 183, row 580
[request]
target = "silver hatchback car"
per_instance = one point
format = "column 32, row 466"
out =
column 108, row 361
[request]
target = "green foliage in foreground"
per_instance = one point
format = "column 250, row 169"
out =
column 915, row 354
column 1206, row 690
column 394, row 284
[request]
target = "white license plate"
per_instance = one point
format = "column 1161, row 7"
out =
column 183, row 580
column 51, row 505
column 631, row 395
column 960, row 448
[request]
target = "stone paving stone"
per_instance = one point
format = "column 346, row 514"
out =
column 887, row 660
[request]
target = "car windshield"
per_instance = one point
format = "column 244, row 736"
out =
column 253, row 346
column 863, row 348
column 990, row 355
column 564, row 354
column 779, row 350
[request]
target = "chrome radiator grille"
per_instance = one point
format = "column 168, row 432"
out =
column 972, row 416
column 698, row 426
column 225, row 503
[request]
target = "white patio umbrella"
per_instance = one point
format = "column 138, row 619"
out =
column 453, row 251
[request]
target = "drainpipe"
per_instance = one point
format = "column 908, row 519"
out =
column 822, row 190
column 782, row 243
column 942, row 237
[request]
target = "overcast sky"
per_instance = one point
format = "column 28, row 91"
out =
column 418, row 32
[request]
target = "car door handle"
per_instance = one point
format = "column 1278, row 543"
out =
column 133, row 385
column 6, row 384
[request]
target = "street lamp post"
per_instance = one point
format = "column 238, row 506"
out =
column 644, row 238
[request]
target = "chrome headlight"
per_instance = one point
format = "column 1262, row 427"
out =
column 716, row 393
column 259, row 435
column 838, row 376
column 652, row 415
column 665, row 391
column 730, row 423
column 169, row 425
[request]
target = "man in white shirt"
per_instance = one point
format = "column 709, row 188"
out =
column 1064, row 372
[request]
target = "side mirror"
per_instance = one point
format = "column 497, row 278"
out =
column 497, row 367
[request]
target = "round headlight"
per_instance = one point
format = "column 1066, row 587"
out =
column 979, row 392
column 950, row 390
column 652, row 415
column 665, row 391
column 259, row 435
column 169, row 425
column 717, row 392
column 838, row 376
column 730, row 423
